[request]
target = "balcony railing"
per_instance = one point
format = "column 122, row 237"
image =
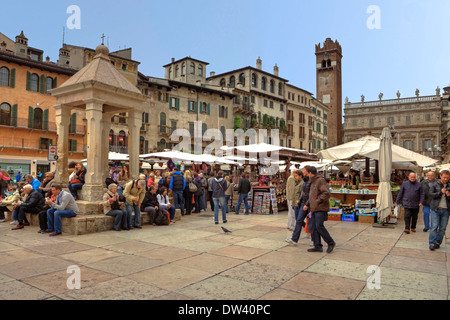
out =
column 391, row 102
column 118, row 149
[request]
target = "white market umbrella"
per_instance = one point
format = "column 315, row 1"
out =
column 384, row 200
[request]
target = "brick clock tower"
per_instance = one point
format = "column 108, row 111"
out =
column 329, row 87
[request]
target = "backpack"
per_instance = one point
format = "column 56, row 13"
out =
column 162, row 218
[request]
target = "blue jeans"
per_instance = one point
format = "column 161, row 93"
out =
column 318, row 229
column 198, row 203
column 300, row 219
column 74, row 189
column 54, row 218
column 227, row 201
column 137, row 214
column 426, row 216
column 120, row 217
column 178, row 200
column 243, row 197
column 439, row 221
column 204, row 201
column 220, row 200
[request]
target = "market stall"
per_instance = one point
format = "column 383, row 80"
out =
column 346, row 193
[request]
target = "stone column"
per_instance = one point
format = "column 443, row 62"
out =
column 93, row 189
column 62, row 133
column 106, row 124
column 134, row 125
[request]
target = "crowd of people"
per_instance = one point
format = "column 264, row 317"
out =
column 149, row 193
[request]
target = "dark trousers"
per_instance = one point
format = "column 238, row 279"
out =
column 211, row 202
column 2, row 212
column 198, row 203
column 120, row 217
column 151, row 213
column 21, row 213
column 318, row 230
column 411, row 217
column 43, row 218
column 188, row 201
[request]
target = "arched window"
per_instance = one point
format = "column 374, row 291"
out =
column 272, row 86
column 111, row 138
column 223, row 83
column 328, row 63
column 263, row 83
column 38, row 118
column 162, row 122
column 242, row 79
column 162, row 144
column 183, row 69
column 280, row 89
column 324, row 64
column 170, row 73
column 5, row 114
column 4, row 77
column 122, row 140
column 254, row 80
column 49, row 84
column 177, row 71
column 200, row 70
column 232, row 82
column 192, row 68
column 34, row 84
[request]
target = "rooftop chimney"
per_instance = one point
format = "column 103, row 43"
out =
column 212, row 74
column 259, row 63
column 276, row 70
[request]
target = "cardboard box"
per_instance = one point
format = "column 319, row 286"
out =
column 366, row 219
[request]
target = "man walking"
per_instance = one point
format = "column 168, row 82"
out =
column 244, row 188
column 426, row 184
column 439, row 210
column 411, row 196
column 219, row 185
column 319, row 196
column 290, row 197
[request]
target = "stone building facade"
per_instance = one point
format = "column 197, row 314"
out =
column 416, row 121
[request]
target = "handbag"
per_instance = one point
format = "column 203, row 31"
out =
column 192, row 187
column 307, row 226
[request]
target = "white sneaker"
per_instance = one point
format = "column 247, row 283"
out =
column 15, row 222
column 290, row 241
column 2, row 220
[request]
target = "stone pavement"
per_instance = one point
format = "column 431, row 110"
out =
column 194, row 260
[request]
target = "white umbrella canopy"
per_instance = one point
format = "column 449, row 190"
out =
column 384, row 200
column 368, row 147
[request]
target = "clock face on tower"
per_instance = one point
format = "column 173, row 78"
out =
column 324, row 79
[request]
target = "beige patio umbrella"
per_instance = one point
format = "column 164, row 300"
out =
column 384, row 202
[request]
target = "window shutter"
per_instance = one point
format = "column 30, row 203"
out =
column 28, row 80
column 196, row 107
column 45, row 125
column 40, row 143
column 42, row 83
column 170, row 103
column 226, row 113
column 12, row 78
column 55, row 82
column 73, row 123
column 178, row 104
column 30, row 117
column 14, row 116
column 146, row 117
column 74, row 145
column 209, row 108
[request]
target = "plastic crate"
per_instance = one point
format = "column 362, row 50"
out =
column 364, row 202
column 348, row 217
column 367, row 212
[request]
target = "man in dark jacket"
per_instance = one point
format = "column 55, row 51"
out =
column 150, row 204
column 319, row 196
column 244, row 188
column 177, row 185
column 426, row 184
column 440, row 204
column 33, row 204
column 411, row 196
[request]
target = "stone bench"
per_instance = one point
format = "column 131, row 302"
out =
column 89, row 221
